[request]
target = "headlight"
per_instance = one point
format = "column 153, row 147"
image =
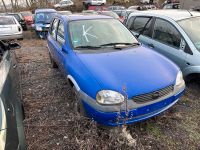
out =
column 179, row 79
column 107, row 97
column 38, row 28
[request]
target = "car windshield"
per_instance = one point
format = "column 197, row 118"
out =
column 191, row 27
column 44, row 17
column 7, row 21
column 95, row 33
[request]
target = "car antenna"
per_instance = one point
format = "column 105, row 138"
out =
column 190, row 13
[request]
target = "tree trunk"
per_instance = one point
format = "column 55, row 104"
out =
column 4, row 5
column 12, row 6
column 16, row 4
column 27, row 3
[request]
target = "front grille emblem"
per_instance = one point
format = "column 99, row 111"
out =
column 155, row 95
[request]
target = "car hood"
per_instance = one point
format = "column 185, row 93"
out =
column 140, row 70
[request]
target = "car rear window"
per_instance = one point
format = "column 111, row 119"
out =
column 7, row 21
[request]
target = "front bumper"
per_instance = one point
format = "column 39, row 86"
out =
column 135, row 113
column 11, row 37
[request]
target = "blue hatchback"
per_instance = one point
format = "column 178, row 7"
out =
column 42, row 20
column 115, row 80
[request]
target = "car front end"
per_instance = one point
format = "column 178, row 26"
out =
column 42, row 22
column 134, row 109
column 42, row 29
column 129, row 94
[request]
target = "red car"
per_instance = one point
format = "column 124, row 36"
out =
column 28, row 17
column 97, row 8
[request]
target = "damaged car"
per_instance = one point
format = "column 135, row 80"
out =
column 114, row 79
column 42, row 20
column 12, row 135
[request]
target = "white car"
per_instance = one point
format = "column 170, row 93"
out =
column 64, row 4
column 10, row 29
column 94, row 2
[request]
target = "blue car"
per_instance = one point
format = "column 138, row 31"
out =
column 115, row 80
column 42, row 20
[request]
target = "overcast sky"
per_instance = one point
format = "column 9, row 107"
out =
column 8, row 1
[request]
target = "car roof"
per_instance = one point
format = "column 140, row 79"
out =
column 8, row 16
column 175, row 14
column 86, row 16
column 45, row 10
column 12, row 13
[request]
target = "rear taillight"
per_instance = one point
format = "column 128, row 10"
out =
column 19, row 29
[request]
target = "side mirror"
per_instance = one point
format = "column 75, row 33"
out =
column 64, row 49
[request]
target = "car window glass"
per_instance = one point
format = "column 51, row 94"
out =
column 139, row 24
column 130, row 22
column 7, row 21
column 60, row 33
column 54, row 28
column 166, row 33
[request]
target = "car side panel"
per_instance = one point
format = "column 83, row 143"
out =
column 10, row 96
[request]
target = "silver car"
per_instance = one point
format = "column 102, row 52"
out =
column 173, row 33
column 10, row 29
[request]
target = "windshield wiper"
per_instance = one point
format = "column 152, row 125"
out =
column 114, row 44
column 87, row 47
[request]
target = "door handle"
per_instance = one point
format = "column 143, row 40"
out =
column 151, row 45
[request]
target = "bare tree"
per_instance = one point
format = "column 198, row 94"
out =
column 27, row 3
column 12, row 5
column 4, row 5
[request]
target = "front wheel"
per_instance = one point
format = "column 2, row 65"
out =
column 53, row 63
column 77, row 103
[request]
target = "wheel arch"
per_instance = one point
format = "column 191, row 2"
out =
column 73, row 82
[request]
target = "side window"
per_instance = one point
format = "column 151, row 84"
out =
column 139, row 24
column 130, row 22
column 166, row 33
column 61, row 33
column 54, row 28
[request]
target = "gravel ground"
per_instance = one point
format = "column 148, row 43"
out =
column 51, row 123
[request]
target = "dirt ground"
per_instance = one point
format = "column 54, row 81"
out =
column 50, row 122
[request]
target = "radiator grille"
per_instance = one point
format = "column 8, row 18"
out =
column 153, row 95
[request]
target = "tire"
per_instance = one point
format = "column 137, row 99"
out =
column 77, row 103
column 53, row 63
